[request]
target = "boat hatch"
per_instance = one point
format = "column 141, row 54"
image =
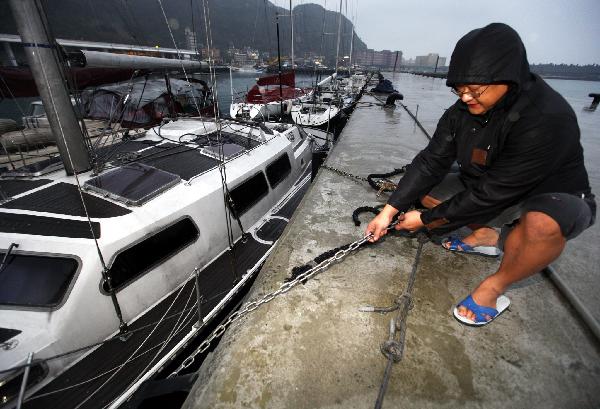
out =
column 227, row 150
column 133, row 184
column 40, row 168
column 32, row 280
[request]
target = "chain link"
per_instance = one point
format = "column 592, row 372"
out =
column 385, row 185
column 346, row 174
column 253, row 305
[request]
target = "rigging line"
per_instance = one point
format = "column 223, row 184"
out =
column 132, row 19
column 254, row 29
column 102, row 141
column 176, row 328
column 222, row 167
column 119, row 126
column 267, row 26
column 194, row 34
column 12, row 96
column 187, row 322
column 79, row 189
column 106, row 341
column 137, row 107
column 131, row 357
column 179, row 56
column 321, row 45
column 108, row 371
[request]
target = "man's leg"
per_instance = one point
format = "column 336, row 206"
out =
column 533, row 244
column 481, row 236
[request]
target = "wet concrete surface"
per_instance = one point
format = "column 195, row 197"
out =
column 312, row 348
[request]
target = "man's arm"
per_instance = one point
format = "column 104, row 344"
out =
column 429, row 167
column 531, row 153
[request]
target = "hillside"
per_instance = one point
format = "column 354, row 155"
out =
column 233, row 22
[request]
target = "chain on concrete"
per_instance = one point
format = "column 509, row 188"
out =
column 345, row 174
column 253, row 305
column 383, row 185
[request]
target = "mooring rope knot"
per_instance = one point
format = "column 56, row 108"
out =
column 392, row 349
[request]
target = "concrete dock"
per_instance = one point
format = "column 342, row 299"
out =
column 312, row 348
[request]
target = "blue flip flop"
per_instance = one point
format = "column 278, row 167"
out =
column 458, row 246
column 480, row 311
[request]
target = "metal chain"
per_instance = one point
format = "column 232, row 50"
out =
column 385, row 185
column 345, row 174
column 253, row 305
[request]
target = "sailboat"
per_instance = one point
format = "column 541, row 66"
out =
column 263, row 103
column 332, row 100
column 267, row 100
column 110, row 267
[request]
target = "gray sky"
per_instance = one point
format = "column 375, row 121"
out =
column 558, row 31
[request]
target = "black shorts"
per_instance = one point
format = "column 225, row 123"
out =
column 573, row 213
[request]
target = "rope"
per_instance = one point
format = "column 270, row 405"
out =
column 365, row 209
column 385, row 185
column 416, row 121
column 393, row 348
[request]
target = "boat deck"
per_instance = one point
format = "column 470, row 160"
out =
column 312, row 348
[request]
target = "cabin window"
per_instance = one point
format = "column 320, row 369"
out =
column 35, row 280
column 143, row 256
column 279, row 170
column 247, row 194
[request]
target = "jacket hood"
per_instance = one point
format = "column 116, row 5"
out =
column 492, row 54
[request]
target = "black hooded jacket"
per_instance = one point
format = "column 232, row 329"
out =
column 527, row 144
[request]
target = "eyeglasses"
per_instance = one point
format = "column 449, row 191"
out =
column 472, row 94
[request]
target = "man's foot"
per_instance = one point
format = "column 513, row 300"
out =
column 483, row 236
column 484, row 295
column 482, row 315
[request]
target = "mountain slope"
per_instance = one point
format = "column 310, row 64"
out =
column 236, row 23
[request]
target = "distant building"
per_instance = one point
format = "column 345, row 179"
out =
column 190, row 39
column 380, row 59
column 215, row 54
column 246, row 57
column 430, row 60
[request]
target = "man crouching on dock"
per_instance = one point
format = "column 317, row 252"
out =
column 520, row 168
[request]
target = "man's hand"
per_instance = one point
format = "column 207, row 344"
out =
column 378, row 226
column 410, row 221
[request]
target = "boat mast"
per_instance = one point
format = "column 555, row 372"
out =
column 292, row 24
column 337, row 53
column 231, row 82
column 41, row 52
column 351, row 44
column 279, row 61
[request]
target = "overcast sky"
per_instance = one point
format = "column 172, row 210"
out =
column 558, row 31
